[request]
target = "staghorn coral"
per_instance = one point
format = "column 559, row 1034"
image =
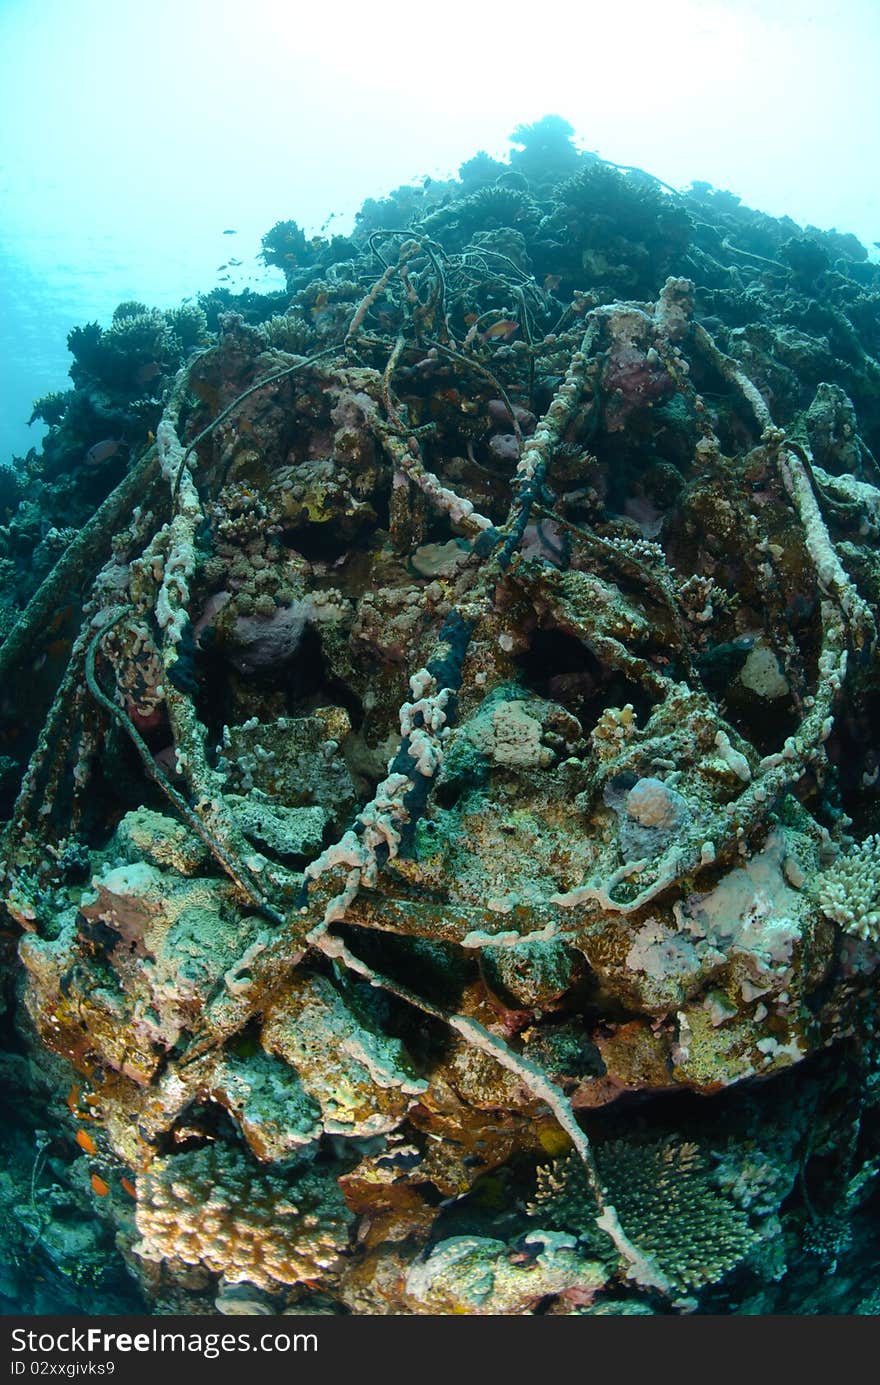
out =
column 212, row 1209
column 849, row 890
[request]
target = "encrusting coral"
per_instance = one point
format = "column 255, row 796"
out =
column 453, row 741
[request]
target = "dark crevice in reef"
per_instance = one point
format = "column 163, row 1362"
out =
column 558, row 666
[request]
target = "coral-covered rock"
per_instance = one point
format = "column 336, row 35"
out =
column 464, row 759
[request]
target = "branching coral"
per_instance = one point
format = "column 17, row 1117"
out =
column 214, row 1210
column 665, row 1200
column 497, row 713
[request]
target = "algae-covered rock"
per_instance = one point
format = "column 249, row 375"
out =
column 359, row 1077
column 476, row 1275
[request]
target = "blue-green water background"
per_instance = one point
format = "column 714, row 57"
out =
column 133, row 135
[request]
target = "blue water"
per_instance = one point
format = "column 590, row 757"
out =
column 131, row 136
column 43, row 299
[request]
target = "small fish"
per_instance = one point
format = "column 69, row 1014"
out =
column 102, row 451
column 73, row 1099
column 98, row 1185
column 129, row 1187
column 147, row 372
column 470, row 319
column 230, row 233
column 552, row 282
column 85, row 1141
column 235, row 262
column 60, row 619
column 222, row 266
column 501, row 331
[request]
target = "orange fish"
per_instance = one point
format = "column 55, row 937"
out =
column 85, row 1141
column 99, row 1186
column 73, row 1099
column 129, row 1187
column 502, row 330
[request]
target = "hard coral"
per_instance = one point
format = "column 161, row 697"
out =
column 451, row 738
column 666, row 1199
column 849, row 890
column 214, row 1209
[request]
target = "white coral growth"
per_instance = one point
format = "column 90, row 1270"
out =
column 849, row 891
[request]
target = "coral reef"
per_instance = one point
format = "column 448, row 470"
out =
column 439, row 763
column 664, row 1196
column 849, row 890
column 209, row 1210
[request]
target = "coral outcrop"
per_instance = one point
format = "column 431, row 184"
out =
column 441, row 827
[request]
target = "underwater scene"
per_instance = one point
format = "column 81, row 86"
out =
column 439, row 768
